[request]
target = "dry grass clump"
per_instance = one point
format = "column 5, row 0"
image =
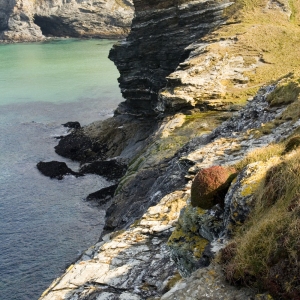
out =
column 266, row 252
column 260, row 154
column 285, row 93
column 292, row 144
column 264, row 31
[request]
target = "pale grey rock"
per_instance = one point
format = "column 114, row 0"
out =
column 229, row 143
column 202, row 78
column 207, row 284
column 26, row 20
column 130, row 265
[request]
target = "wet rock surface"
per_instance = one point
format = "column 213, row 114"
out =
column 109, row 169
column 25, row 20
column 78, row 146
column 72, row 125
column 56, row 169
column 102, row 196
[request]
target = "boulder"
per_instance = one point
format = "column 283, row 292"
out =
column 80, row 147
column 210, row 185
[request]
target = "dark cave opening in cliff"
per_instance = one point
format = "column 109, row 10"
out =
column 53, row 26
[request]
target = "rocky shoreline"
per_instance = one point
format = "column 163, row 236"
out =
column 209, row 132
column 141, row 257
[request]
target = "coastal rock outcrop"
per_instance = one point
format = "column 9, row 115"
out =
column 110, row 169
column 211, row 74
column 102, row 196
column 135, row 262
column 131, row 264
column 56, row 169
column 25, row 20
column 204, row 54
column 157, row 44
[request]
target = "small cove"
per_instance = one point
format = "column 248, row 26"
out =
column 45, row 224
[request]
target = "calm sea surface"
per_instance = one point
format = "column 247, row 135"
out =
column 45, row 224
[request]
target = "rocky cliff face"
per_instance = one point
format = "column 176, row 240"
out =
column 172, row 238
column 182, row 54
column 161, row 233
column 160, row 33
column 27, row 20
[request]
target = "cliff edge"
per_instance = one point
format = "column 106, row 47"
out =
column 209, row 205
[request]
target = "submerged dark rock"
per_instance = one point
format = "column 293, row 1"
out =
column 121, row 136
column 56, row 169
column 73, row 125
column 102, row 196
column 110, row 169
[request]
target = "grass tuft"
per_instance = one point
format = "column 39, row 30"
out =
column 284, row 94
column 266, row 251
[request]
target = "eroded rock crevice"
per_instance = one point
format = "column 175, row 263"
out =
column 26, row 20
column 54, row 26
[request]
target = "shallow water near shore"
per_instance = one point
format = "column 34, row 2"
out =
column 45, row 224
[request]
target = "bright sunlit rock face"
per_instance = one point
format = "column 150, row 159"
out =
column 26, row 20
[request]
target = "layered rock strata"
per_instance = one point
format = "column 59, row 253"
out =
column 218, row 72
column 157, row 44
column 184, row 54
column 25, row 20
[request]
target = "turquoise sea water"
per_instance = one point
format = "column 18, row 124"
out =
column 45, row 224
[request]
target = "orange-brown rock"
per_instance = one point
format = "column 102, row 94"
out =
column 210, row 186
